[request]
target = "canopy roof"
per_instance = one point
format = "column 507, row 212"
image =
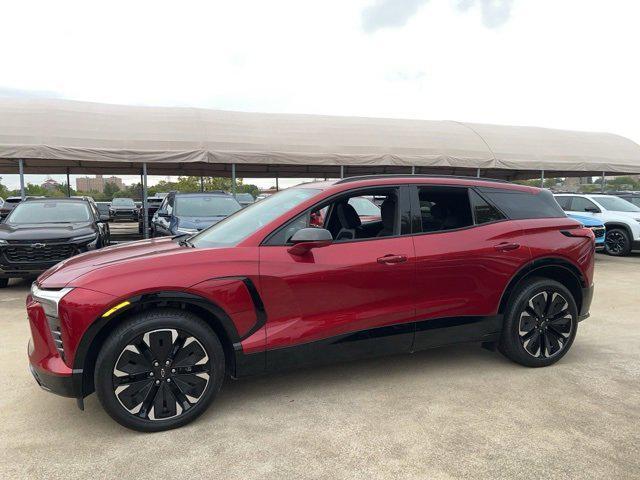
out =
column 52, row 136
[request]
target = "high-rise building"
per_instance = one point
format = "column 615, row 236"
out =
column 97, row 184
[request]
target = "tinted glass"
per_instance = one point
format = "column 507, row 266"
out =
column 482, row 211
column 236, row 228
column 521, row 205
column 244, row 197
column 364, row 207
column 444, row 208
column 564, row 202
column 50, row 212
column 581, row 204
column 617, row 204
column 123, row 202
column 206, row 206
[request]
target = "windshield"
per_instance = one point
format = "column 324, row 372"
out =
column 123, row 202
column 50, row 212
column 364, row 207
column 617, row 204
column 206, row 206
column 244, row 197
column 236, row 228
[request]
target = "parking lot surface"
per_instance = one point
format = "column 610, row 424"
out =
column 455, row 412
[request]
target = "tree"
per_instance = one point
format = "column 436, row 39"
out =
column 110, row 189
column 4, row 191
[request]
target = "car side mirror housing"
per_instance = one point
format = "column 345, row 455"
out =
column 104, row 218
column 306, row 239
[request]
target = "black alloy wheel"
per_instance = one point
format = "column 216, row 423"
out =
column 161, row 374
column 159, row 369
column 545, row 324
column 617, row 242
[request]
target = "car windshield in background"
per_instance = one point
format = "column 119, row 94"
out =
column 50, row 212
column 617, row 204
column 123, row 202
column 236, row 228
column 206, row 206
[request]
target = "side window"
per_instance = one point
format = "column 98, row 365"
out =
column 564, row 202
column 581, row 204
column 444, row 208
column 350, row 217
column 520, row 205
column 482, row 211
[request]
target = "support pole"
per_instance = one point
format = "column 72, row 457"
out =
column 234, row 186
column 341, row 171
column 603, row 183
column 277, row 186
column 413, row 169
column 478, row 173
column 201, row 183
column 21, row 168
column 541, row 178
column 145, row 206
column 68, row 184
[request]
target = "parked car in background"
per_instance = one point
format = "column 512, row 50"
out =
column 10, row 203
column 244, row 199
column 153, row 203
column 621, row 218
column 155, row 326
column 597, row 227
column 1, row 202
column 103, row 208
column 633, row 197
column 38, row 233
column 123, row 209
column 188, row 213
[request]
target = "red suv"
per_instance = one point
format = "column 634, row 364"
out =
column 154, row 326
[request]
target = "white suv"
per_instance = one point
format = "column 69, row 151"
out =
column 621, row 218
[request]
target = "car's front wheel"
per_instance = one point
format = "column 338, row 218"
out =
column 159, row 370
column 617, row 242
column 540, row 323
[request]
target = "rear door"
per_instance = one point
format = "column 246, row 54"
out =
column 466, row 253
column 350, row 299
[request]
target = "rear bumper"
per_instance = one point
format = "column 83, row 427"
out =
column 587, row 296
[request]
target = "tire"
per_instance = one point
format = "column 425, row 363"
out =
column 540, row 323
column 136, row 386
column 617, row 242
column 4, row 282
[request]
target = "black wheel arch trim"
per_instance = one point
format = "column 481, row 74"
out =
column 94, row 331
column 538, row 264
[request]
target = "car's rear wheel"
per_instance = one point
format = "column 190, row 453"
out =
column 617, row 242
column 540, row 323
column 159, row 370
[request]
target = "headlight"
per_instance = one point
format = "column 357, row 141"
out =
column 49, row 299
column 3, row 242
column 85, row 238
column 186, row 230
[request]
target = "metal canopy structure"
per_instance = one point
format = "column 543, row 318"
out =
column 61, row 136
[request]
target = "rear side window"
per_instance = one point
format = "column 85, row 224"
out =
column 444, row 208
column 518, row 205
column 482, row 211
column 564, row 202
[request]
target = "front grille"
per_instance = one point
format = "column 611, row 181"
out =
column 598, row 231
column 56, row 333
column 34, row 253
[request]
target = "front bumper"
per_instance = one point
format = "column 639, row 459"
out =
column 587, row 296
column 64, row 385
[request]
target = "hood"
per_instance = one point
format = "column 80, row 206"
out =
column 587, row 221
column 123, row 207
column 199, row 223
column 74, row 267
column 633, row 215
column 44, row 231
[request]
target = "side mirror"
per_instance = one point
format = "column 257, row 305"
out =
column 307, row 238
column 162, row 214
column 104, row 218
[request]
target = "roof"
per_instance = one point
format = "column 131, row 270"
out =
column 55, row 135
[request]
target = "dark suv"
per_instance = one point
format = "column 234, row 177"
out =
column 155, row 326
column 39, row 233
column 188, row 213
column 124, row 209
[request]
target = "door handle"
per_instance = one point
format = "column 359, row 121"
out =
column 506, row 247
column 392, row 259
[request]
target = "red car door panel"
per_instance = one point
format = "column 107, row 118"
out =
column 337, row 289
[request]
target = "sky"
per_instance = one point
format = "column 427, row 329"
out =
column 554, row 63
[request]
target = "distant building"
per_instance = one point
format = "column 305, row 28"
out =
column 97, row 184
column 50, row 184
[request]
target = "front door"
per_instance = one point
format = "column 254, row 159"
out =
column 349, row 299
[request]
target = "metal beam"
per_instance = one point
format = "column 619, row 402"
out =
column 21, row 168
column 277, row 186
column 145, row 206
column 603, row 183
column 541, row 178
column 68, row 184
column 341, row 171
column 234, row 186
column 201, row 183
column 413, row 169
column 478, row 173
